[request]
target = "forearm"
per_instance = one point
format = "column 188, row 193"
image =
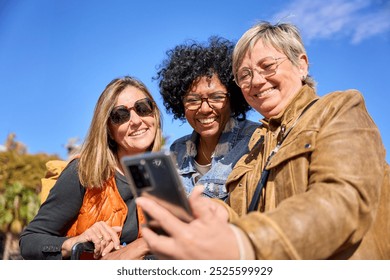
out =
column 245, row 247
column 41, row 247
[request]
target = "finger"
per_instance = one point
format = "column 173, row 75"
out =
column 196, row 198
column 159, row 245
column 97, row 248
column 102, row 248
column 196, row 192
column 108, row 248
column 96, row 232
column 95, row 236
column 106, row 234
column 115, row 237
column 100, row 236
column 117, row 229
column 169, row 223
column 112, row 234
column 205, row 208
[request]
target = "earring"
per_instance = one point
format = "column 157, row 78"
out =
column 303, row 78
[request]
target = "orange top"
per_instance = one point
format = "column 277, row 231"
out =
column 103, row 204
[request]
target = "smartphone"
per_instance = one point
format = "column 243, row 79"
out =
column 154, row 175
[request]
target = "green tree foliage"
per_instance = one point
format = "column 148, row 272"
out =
column 20, row 184
column 26, row 169
column 18, row 206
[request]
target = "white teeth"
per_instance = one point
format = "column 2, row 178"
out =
column 264, row 92
column 138, row 132
column 207, row 121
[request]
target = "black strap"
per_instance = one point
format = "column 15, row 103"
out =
column 256, row 196
column 265, row 173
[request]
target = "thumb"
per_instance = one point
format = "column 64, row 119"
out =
column 196, row 192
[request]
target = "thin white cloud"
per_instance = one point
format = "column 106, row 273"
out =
column 356, row 19
column 372, row 25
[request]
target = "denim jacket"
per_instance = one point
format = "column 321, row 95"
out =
column 232, row 144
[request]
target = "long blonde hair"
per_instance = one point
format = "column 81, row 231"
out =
column 98, row 153
column 284, row 37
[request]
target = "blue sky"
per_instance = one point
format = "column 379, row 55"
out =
column 56, row 57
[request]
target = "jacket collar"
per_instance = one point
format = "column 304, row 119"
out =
column 293, row 109
column 225, row 143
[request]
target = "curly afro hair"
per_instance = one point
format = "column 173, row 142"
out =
column 187, row 63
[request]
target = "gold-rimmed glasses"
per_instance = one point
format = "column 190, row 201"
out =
column 266, row 67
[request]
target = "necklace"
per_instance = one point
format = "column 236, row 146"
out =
column 204, row 155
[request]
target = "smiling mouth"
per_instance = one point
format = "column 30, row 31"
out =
column 207, row 121
column 138, row 132
column 265, row 92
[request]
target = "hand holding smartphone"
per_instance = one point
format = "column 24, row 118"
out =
column 154, row 175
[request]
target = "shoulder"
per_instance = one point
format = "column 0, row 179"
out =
column 342, row 97
column 340, row 101
column 71, row 167
column 340, row 107
column 67, row 185
column 249, row 125
column 246, row 128
column 180, row 142
column 69, row 177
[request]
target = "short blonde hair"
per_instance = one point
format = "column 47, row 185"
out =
column 284, row 37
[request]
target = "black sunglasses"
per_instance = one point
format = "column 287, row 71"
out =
column 121, row 114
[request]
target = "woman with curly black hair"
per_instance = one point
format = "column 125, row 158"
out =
column 197, row 85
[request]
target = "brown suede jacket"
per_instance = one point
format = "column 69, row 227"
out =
column 328, row 192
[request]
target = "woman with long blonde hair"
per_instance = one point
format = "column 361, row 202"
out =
column 91, row 200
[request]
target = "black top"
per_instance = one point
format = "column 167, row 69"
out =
column 44, row 235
